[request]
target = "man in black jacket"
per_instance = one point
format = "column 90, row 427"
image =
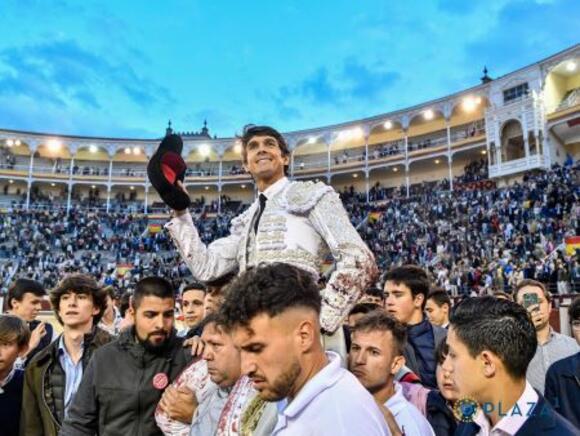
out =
column 563, row 377
column 125, row 379
column 406, row 291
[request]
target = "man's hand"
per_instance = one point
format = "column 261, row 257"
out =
column 179, row 404
column 536, row 315
column 35, row 336
column 197, row 345
column 180, row 212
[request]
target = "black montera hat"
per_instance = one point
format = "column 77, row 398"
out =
column 165, row 169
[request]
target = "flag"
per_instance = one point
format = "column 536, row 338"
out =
column 123, row 268
column 572, row 244
column 374, row 216
column 154, row 228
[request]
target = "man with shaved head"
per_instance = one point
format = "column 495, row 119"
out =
column 274, row 313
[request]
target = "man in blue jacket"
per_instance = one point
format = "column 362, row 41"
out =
column 491, row 342
column 563, row 377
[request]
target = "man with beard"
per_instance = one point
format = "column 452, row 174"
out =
column 125, row 379
column 274, row 314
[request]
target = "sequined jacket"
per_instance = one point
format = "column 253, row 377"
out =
column 301, row 224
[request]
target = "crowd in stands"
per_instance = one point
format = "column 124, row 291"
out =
column 472, row 241
column 483, row 240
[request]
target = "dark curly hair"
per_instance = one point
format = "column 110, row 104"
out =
column 269, row 289
column 500, row 326
column 80, row 284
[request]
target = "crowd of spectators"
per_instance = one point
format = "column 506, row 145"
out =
column 471, row 241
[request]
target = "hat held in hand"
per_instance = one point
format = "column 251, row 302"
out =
column 165, row 169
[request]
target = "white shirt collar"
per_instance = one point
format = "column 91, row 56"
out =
column 397, row 402
column 513, row 419
column 275, row 188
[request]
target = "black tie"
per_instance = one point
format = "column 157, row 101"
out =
column 263, row 200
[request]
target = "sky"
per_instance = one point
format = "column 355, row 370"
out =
column 124, row 68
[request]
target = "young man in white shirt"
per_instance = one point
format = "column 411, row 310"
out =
column 491, row 343
column 376, row 355
column 274, row 311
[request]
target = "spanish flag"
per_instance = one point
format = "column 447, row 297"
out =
column 123, row 268
column 374, row 216
column 154, row 228
column 572, row 244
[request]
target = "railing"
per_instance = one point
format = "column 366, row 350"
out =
column 516, row 166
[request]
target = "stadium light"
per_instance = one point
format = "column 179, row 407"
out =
column 437, row 161
column 395, row 169
column 207, row 188
column 204, row 150
column 127, row 150
column 238, row 148
column 388, row 125
column 132, row 188
column 571, row 66
column 355, row 175
column 311, row 140
column 54, row 145
column 9, row 142
column 136, row 150
column 428, row 114
column 469, row 104
column 243, row 186
column 483, row 151
column 93, row 148
column 93, row 186
column 53, row 184
column 10, row 181
column 357, row 132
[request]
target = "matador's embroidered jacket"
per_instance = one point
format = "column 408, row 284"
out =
column 301, row 224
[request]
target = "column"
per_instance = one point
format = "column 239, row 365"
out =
column 110, row 170
column 32, row 151
column 367, row 182
column 108, row 197
column 219, row 198
column 69, row 197
column 525, row 134
column 449, row 158
column 407, row 161
column 292, row 164
column 407, row 177
column 367, row 152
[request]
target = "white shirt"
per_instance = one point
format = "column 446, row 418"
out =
column 514, row 418
column 409, row 419
column 332, row 403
